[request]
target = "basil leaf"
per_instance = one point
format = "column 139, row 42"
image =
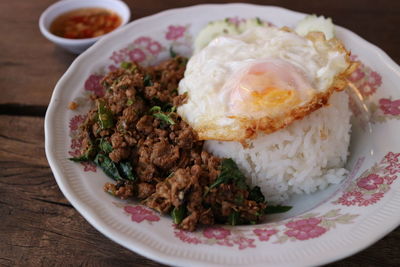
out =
column 147, row 80
column 108, row 166
column 126, row 65
column 172, row 53
column 105, row 146
column 105, row 116
column 234, row 218
column 256, row 195
column 155, row 109
column 230, row 173
column 276, row 209
column 127, row 170
column 81, row 158
column 164, row 118
column 178, row 214
column 87, row 155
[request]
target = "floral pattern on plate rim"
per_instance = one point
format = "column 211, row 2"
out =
column 372, row 185
column 368, row 189
column 367, row 82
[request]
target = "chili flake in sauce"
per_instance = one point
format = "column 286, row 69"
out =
column 85, row 23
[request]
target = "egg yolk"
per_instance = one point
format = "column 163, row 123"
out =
column 266, row 88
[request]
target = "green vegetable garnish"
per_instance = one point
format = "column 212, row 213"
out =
column 276, row 209
column 105, row 116
column 128, row 66
column 172, row 53
column 256, row 195
column 178, row 213
column 105, row 146
column 259, row 21
column 230, row 173
column 234, row 218
column 147, row 80
column 156, row 110
column 108, row 166
column 127, row 170
column 164, row 117
column 87, row 156
column 129, row 102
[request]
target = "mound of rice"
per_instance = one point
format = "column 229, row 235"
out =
column 304, row 157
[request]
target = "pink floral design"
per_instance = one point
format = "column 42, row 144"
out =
column 369, row 199
column 367, row 89
column 365, row 79
column 374, row 79
column 371, row 182
column 372, row 185
column 118, row 57
column 350, row 198
column 305, row 229
column 392, row 157
column 143, row 41
column 216, row 232
column 244, row 242
column 175, row 32
column 264, row 234
column 187, row 237
column 76, row 121
column 137, row 55
column 393, row 168
column 93, row 84
column 389, row 179
column 154, row 48
column 140, row 213
column 357, row 75
column 390, row 107
column 89, row 166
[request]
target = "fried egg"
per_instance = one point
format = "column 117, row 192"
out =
column 260, row 81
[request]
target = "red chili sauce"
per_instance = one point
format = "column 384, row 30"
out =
column 85, row 23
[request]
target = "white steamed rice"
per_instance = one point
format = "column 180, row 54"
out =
column 306, row 156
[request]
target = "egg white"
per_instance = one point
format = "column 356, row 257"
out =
column 210, row 71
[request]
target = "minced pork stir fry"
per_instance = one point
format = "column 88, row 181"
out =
column 135, row 136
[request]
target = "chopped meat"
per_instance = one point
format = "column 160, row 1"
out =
column 154, row 155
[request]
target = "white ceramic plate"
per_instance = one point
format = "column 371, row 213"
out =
column 321, row 228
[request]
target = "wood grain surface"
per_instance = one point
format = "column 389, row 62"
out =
column 38, row 226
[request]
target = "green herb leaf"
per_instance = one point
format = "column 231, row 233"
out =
column 105, row 116
column 127, row 170
column 233, row 218
column 129, row 102
column 108, row 166
column 88, row 155
column 172, row 53
column 230, row 173
column 155, row 109
column 239, row 199
column 276, row 209
column 126, row 65
column 81, row 158
column 164, row 118
column 147, row 80
column 178, row 214
column 105, row 146
column 259, row 21
column 256, row 195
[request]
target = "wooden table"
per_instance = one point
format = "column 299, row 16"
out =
column 38, row 226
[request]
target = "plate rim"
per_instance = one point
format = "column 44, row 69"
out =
column 146, row 250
